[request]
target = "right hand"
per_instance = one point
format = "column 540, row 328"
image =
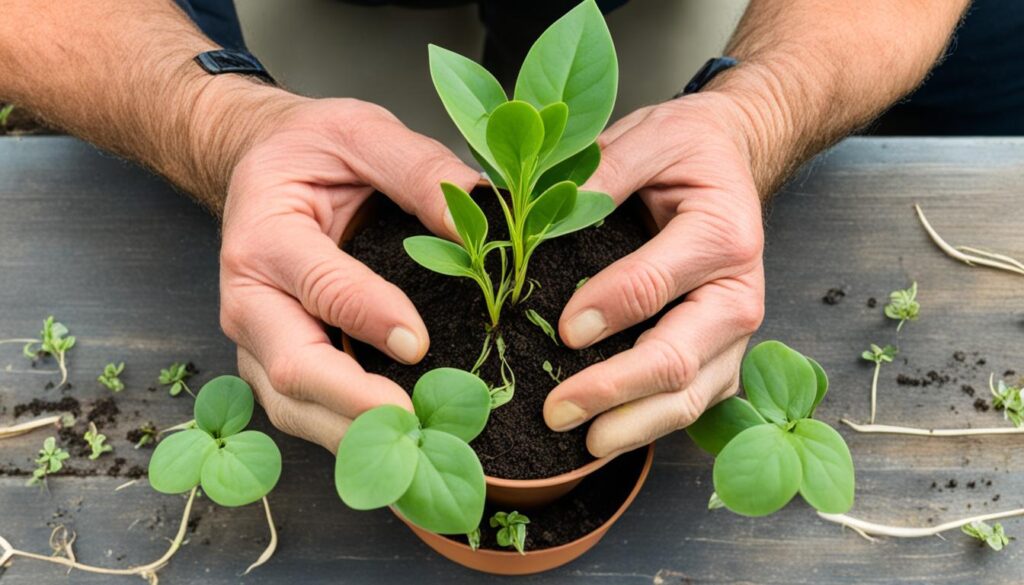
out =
column 283, row 276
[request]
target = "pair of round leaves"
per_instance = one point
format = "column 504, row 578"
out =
column 421, row 463
column 235, row 467
column 769, row 449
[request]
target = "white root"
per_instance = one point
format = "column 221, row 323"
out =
column 272, row 545
column 898, row 430
column 970, row 256
column 869, row 529
column 25, row 427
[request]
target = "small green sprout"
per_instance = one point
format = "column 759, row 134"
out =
column 878, row 356
column 513, row 529
column 500, row 395
column 768, row 448
column 903, row 306
column 715, row 502
column 54, row 340
column 175, row 376
column 97, row 442
column 50, row 461
column 111, row 377
column 993, row 535
column 543, row 324
column 473, row 538
column 581, row 282
column 1008, row 399
column 234, row 466
column 555, row 375
column 5, row 114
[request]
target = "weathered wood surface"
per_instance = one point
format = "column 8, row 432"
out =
column 131, row 267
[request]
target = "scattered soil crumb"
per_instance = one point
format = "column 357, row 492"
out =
column 37, row 407
column 834, row 296
column 872, row 302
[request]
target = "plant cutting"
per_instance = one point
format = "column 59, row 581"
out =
column 512, row 529
column 53, row 341
column 420, row 463
column 539, row 147
column 767, row 448
column 96, row 441
column 110, row 378
column 878, row 356
column 51, row 460
column 175, row 376
column 994, row 536
column 1008, row 399
column 903, row 306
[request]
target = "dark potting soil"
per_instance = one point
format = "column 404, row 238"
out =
column 576, row 514
column 516, row 443
column 37, row 406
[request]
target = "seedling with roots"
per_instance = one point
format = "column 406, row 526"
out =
column 878, row 356
column 53, row 341
column 994, row 536
column 96, row 441
column 1007, row 399
column 539, row 147
column 512, row 529
column 903, row 306
column 175, row 376
column 767, row 448
column 111, row 377
column 51, row 460
column 550, row 370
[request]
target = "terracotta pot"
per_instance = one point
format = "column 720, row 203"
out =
column 535, row 561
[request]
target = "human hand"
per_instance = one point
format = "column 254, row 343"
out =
column 283, row 276
column 689, row 164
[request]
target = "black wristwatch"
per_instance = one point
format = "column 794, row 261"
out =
column 705, row 74
column 232, row 61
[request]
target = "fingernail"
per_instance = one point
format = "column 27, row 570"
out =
column 404, row 345
column 449, row 222
column 565, row 415
column 585, row 327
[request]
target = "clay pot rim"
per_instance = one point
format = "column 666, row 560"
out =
column 561, row 478
column 633, row 493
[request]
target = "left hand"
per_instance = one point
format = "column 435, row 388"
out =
column 689, row 164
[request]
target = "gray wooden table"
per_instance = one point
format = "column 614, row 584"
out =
column 131, row 267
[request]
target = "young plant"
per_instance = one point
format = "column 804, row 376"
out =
column 1008, row 399
column 97, row 442
column 54, row 341
column 234, row 466
column 175, row 376
column 542, row 323
column 51, row 460
column 769, row 448
column 111, row 377
column 550, row 370
column 420, row 463
column 878, row 356
column 512, row 530
column 539, row 147
column 993, row 535
column 903, row 306
column 147, row 435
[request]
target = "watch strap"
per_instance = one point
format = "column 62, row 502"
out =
column 705, row 74
column 233, row 61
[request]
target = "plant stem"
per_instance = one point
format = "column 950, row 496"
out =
column 897, row 430
column 272, row 545
column 869, row 529
column 178, row 427
column 147, row 571
column 22, row 428
column 63, row 369
column 19, row 341
column 985, row 259
column 874, row 386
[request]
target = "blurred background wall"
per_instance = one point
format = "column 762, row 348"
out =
column 329, row 48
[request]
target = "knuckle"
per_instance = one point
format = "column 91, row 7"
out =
column 283, row 418
column 229, row 321
column 748, row 316
column 674, row 367
column 688, row 408
column 746, row 250
column 646, row 289
column 283, row 373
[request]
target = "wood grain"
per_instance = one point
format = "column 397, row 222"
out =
column 131, row 267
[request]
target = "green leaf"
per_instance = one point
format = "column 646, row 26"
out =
column 591, row 207
column 779, row 382
column 469, row 218
column 553, row 206
column 828, row 476
column 515, row 133
column 377, row 457
column 554, row 117
column 469, row 94
column 577, row 168
column 243, row 470
column 224, row 406
column 446, row 495
column 822, row 383
column 722, row 422
column 758, row 472
column 493, row 174
column 177, row 463
column 452, row 401
column 574, row 62
column 439, row 255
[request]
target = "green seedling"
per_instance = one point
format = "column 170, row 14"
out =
column 512, row 530
column 501, row 394
column 51, row 460
column 175, row 376
column 234, row 466
column 539, row 147
column 473, row 538
column 555, row 375
column 147, row 435
column 5, row 114
column 97, row 442
column 111, row 377
column 421, row 464
column 581, row 282
column 543, row 324
column 903, row 306
column 53, row 341
column 715, row 502
column 767, row 448
column 993, row 535
column 1007, row 399
column 878, row 356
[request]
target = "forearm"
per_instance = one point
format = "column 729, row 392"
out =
column 812, row 71
column 121, row 75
